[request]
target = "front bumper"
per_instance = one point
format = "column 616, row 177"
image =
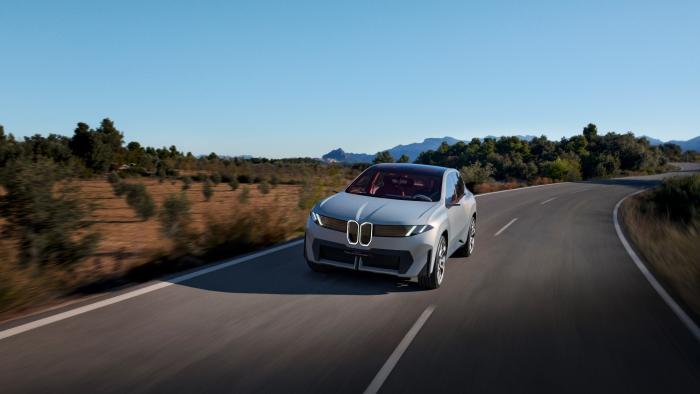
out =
column 399, row 256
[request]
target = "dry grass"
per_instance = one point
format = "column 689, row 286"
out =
column 129, row 244
column 671, row 249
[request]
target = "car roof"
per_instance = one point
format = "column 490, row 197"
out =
column 428, row 169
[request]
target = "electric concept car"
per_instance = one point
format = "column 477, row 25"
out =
column 398, row 219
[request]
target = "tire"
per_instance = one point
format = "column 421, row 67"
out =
column 468, row 248
column 433, row 280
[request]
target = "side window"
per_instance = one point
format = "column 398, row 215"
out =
column 450, row 184
column 461, row 189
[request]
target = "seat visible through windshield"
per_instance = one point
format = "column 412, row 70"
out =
column 398, row 184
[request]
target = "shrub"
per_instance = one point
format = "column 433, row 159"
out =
column 309, row 194
column 138, row 198
column 274, row 180
column 186, row 182
column 233, row 183
column 232, row 235
column 216, row 178
column 563, row 169
column 174, row 217
column 113, row 178
column 476, row 173
column 207, row 190
column 201, row 177
column 257, row 179
column 678, row 198
column 227, row 178
column 46, row 223
column 119, row 188
column 244, row 196
column 264, row 187
column 243, row 178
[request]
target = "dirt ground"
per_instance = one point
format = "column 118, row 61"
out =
column 126, row 240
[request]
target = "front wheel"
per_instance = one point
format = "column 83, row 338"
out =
column 468, row 248
column 433, row 280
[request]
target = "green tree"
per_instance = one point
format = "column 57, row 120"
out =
column 404, row 159
column 383, row 157
column 476, row 173
column 234, row 184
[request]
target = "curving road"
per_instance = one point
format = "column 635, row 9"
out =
column 550, row 303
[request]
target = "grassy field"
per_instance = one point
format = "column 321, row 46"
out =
column 671, row 248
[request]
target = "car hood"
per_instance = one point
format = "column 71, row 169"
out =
column 376, row 210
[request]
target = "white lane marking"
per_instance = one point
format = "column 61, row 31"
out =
column 694, row 329
column 505, row 227
column 393, row 359
column 546, row 201
column 135, row 293
column 520, row 188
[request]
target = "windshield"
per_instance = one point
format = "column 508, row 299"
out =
column 404, row 184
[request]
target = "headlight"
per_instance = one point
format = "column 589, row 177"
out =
column 415, row 230
column 316, row 218
column 383, row 230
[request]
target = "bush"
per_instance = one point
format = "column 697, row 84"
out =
column 264, row 187
column 274, row 180
column 233, row 235
column 186, row 182
column 233, row 183
column 201, row 177
column 119, row 188
column 47, row 222
column 243, row 178
column 257, row 179
column 476, row 174
column 216, row 178
column 113, row 178
column 138, row 198
column 174, row 217
column 678, row 198
column 227, row 178
column 244, row 196
column 207, row 190
column 563, row 169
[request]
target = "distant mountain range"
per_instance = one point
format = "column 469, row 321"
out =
column 691, row 144
column 410, row 150
column 415, row 149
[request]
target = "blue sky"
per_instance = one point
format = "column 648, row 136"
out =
column 298, row 78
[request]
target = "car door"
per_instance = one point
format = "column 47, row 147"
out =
column 457, row 215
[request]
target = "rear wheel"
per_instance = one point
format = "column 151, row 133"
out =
column 433, row 280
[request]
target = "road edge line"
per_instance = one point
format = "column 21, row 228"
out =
column 520, row 188
column 393, row 359
column 10, row 332
column 680, row 313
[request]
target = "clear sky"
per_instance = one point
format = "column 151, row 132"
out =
column 298, row 78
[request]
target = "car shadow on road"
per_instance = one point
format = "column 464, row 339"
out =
column 286, row 272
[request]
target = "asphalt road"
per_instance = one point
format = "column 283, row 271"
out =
column 553, row 303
